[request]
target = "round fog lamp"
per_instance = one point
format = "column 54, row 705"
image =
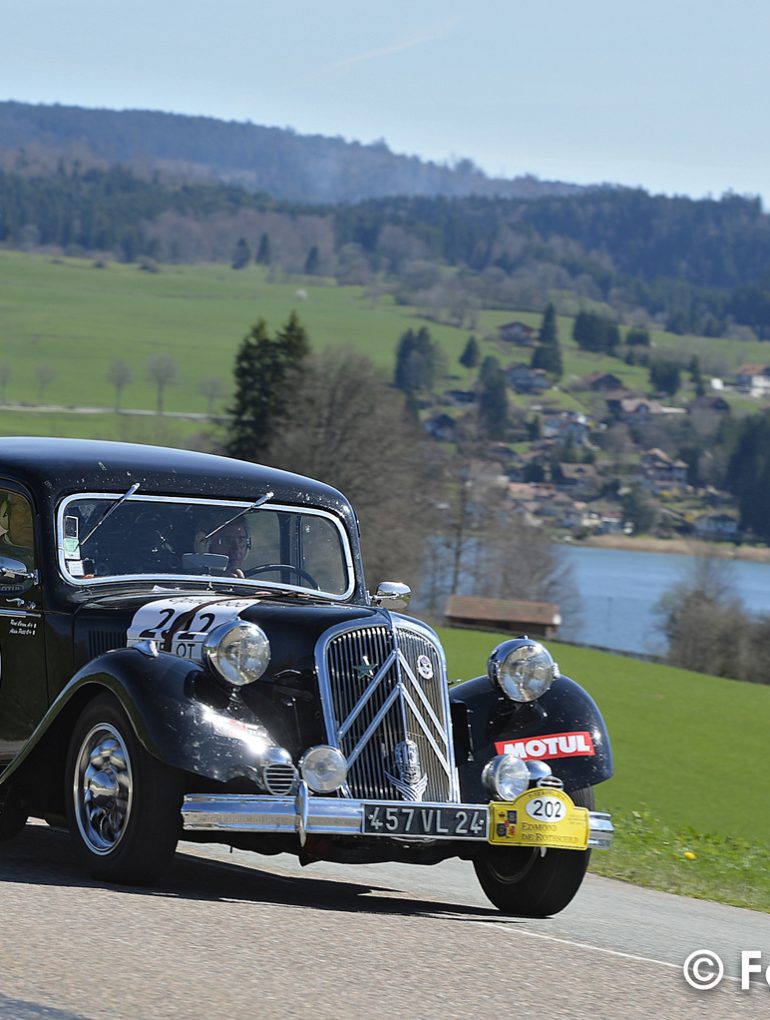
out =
column 239, row 651
column 506, row 776
column 323, row 768
column 522, row 669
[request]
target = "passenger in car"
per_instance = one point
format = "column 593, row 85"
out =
column 16, row 529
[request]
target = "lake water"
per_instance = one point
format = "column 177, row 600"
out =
column 618, row 590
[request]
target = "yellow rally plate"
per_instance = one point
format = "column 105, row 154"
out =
column 542, row 816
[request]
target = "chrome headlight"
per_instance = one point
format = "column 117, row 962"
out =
column 238, row 651
column 506, row 776
column 522, row 669
column 323, row 768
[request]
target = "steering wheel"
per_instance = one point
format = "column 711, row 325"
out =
column 266, row 567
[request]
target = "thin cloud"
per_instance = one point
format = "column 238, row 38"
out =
column 399, row 47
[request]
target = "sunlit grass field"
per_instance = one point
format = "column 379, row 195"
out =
column 76, row 319
column 690, row 770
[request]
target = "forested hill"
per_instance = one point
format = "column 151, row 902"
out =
column 286, row 165
column 699, row 267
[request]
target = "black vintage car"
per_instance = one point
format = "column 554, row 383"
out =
column 188, row 650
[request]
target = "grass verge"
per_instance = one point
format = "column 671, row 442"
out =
column 647, row 852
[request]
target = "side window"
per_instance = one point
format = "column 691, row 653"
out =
column 16, row 529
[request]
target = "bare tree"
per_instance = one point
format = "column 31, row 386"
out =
column 212, row 388
column 162, row 372
column 703, row 620
column 45, row 375
column 6, row 375
column 480, row 546
column 348, row 427
column 119, row 375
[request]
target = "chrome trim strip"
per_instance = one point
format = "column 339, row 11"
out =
column 34, row 615
column 421, row 694
column 301, row 808
column 428, row 735
column 366, row 737
column 336, row 816
column 372, row 687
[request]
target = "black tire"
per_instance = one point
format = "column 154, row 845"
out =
column 123, row 805
column 533, row 883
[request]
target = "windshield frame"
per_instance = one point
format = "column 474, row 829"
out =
column 204, row 579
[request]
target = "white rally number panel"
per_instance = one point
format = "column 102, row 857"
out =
column 154, row 621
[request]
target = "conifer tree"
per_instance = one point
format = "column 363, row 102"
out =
column 548, row 330
column 471, row 354
column 493, row 400
column 312, row 261
column 547, row 355
column 418, row 361
column 266, row 370
column 263, row 256
column 241, row 254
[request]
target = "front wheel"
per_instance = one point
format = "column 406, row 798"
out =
column 123, row 805
column 533, row 883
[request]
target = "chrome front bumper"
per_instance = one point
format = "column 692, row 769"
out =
column 307, row 815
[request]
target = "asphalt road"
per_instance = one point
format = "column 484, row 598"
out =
column 237, row 935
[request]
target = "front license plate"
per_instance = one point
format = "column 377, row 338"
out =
column 539, row 817
column 426, row 821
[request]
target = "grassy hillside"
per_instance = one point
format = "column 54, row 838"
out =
column 690, row 760
column 76, row 319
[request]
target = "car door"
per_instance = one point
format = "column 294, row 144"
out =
column 23, row 683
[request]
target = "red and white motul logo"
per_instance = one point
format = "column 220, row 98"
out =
column 551, row 745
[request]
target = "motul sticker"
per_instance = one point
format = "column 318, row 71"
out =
column 550, row 745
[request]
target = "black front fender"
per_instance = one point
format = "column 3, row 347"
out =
column 181, row 715
column 564, row 728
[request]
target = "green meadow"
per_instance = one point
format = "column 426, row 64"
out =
column 690, row 770
column 75, row 320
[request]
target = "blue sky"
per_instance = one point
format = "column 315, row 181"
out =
column 670, row 94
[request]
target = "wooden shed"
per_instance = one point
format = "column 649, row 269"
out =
column 536, row 619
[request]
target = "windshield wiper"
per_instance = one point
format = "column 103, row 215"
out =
column 110, row 512
column 241, row 513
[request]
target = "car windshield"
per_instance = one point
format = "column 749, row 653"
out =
column 175, row 537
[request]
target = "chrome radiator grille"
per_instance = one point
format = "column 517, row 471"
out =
column 386, row 706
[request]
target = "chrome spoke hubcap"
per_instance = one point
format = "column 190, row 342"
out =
column 103, row 789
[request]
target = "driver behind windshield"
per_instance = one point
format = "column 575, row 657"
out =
column 232, row 541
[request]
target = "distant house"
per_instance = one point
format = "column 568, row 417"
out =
column 566, row 426
column 658, row 471
column 709, row 403
column 753, row 379
column 524, row 379
column 716, row 526
column 441, row 427
column 579, row 480
column 599, row 381
column 462, row 397
column 517, row 333
column 634, row 410
column 539, row 619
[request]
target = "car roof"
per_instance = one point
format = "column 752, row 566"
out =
column 52, row 467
